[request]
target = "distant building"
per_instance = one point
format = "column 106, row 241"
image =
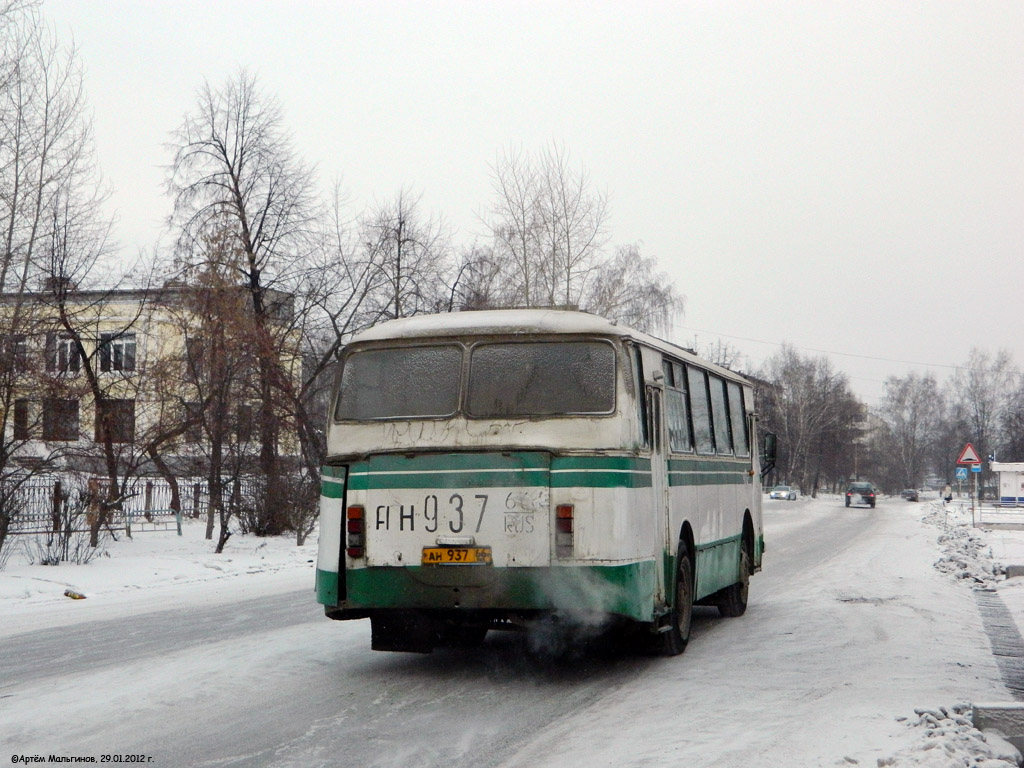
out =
column 146, row 351
column 1011, row 483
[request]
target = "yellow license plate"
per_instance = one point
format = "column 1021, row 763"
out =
column 456, row 556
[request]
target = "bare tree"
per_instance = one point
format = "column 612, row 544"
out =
column 548, row 227
column 628, row 287
column 516, row 223
column 911, row 409
column 575, row 220
column 1011, row 446
column 809, row 406
column 234, row 171
column 411, row 256
column 51, row 229
column 979, row 393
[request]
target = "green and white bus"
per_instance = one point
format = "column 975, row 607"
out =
column 513, row 468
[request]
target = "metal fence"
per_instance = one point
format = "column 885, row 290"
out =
column 1000, row 516
column 50, row 504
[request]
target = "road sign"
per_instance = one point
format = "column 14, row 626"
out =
column 976, row 468
column 961, row 473
column 969, row 456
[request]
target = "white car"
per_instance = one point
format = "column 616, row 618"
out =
column 783, row 492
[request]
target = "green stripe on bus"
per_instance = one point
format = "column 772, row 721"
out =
column 332, row 483
column 426, row 462
column 706, row 478
column 362, row 481
column 326, row 587
column 707, row 465
column 626, row 590
column 489, row 470
column 598, row 479
column 332, row 490
column 601, row 462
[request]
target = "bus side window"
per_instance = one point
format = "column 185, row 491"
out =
column 654, row 408
column 700, row 410
column 720, row 415
column 641, row 396
column 679, row 439
column 741, row 439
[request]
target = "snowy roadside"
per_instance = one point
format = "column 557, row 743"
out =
column 978, row 557
column 154, row 570
column 158, row 570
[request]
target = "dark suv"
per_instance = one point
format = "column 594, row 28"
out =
column 861, row 493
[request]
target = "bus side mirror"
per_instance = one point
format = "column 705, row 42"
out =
column 768, row 451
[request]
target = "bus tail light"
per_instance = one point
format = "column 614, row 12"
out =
column 563, row 530
column 355, row 526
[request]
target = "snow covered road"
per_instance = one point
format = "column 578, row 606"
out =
column 849, row 628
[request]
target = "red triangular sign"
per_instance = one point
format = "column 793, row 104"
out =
column 968, row 455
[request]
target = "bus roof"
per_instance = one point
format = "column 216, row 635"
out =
column 522, row 321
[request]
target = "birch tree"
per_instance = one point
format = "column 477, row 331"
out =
column 548, row 225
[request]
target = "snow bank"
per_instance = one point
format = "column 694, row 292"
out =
column 966, row 551
column 153, row 570
column 946, row 738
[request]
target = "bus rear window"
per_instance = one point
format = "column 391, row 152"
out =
column 402, row 382
column 541, row 379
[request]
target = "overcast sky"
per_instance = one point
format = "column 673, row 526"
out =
column 846, row 177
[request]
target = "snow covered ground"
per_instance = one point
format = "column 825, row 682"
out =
column 159, row 570
column 153, row 570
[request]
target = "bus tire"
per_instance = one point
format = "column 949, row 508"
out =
column 732, row 601
column 673, row 642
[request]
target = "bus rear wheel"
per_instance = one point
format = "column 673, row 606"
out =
column 732, row 601
column 673, row 642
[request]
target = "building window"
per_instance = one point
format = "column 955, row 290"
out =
column 118, row 417
column 117, row 352
column 15, row 352
column 60, row 419
column 62, row 353
column 22, row 430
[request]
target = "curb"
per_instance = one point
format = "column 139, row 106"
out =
column 1007, row 719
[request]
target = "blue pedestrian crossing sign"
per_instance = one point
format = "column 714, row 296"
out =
column 961, row 473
